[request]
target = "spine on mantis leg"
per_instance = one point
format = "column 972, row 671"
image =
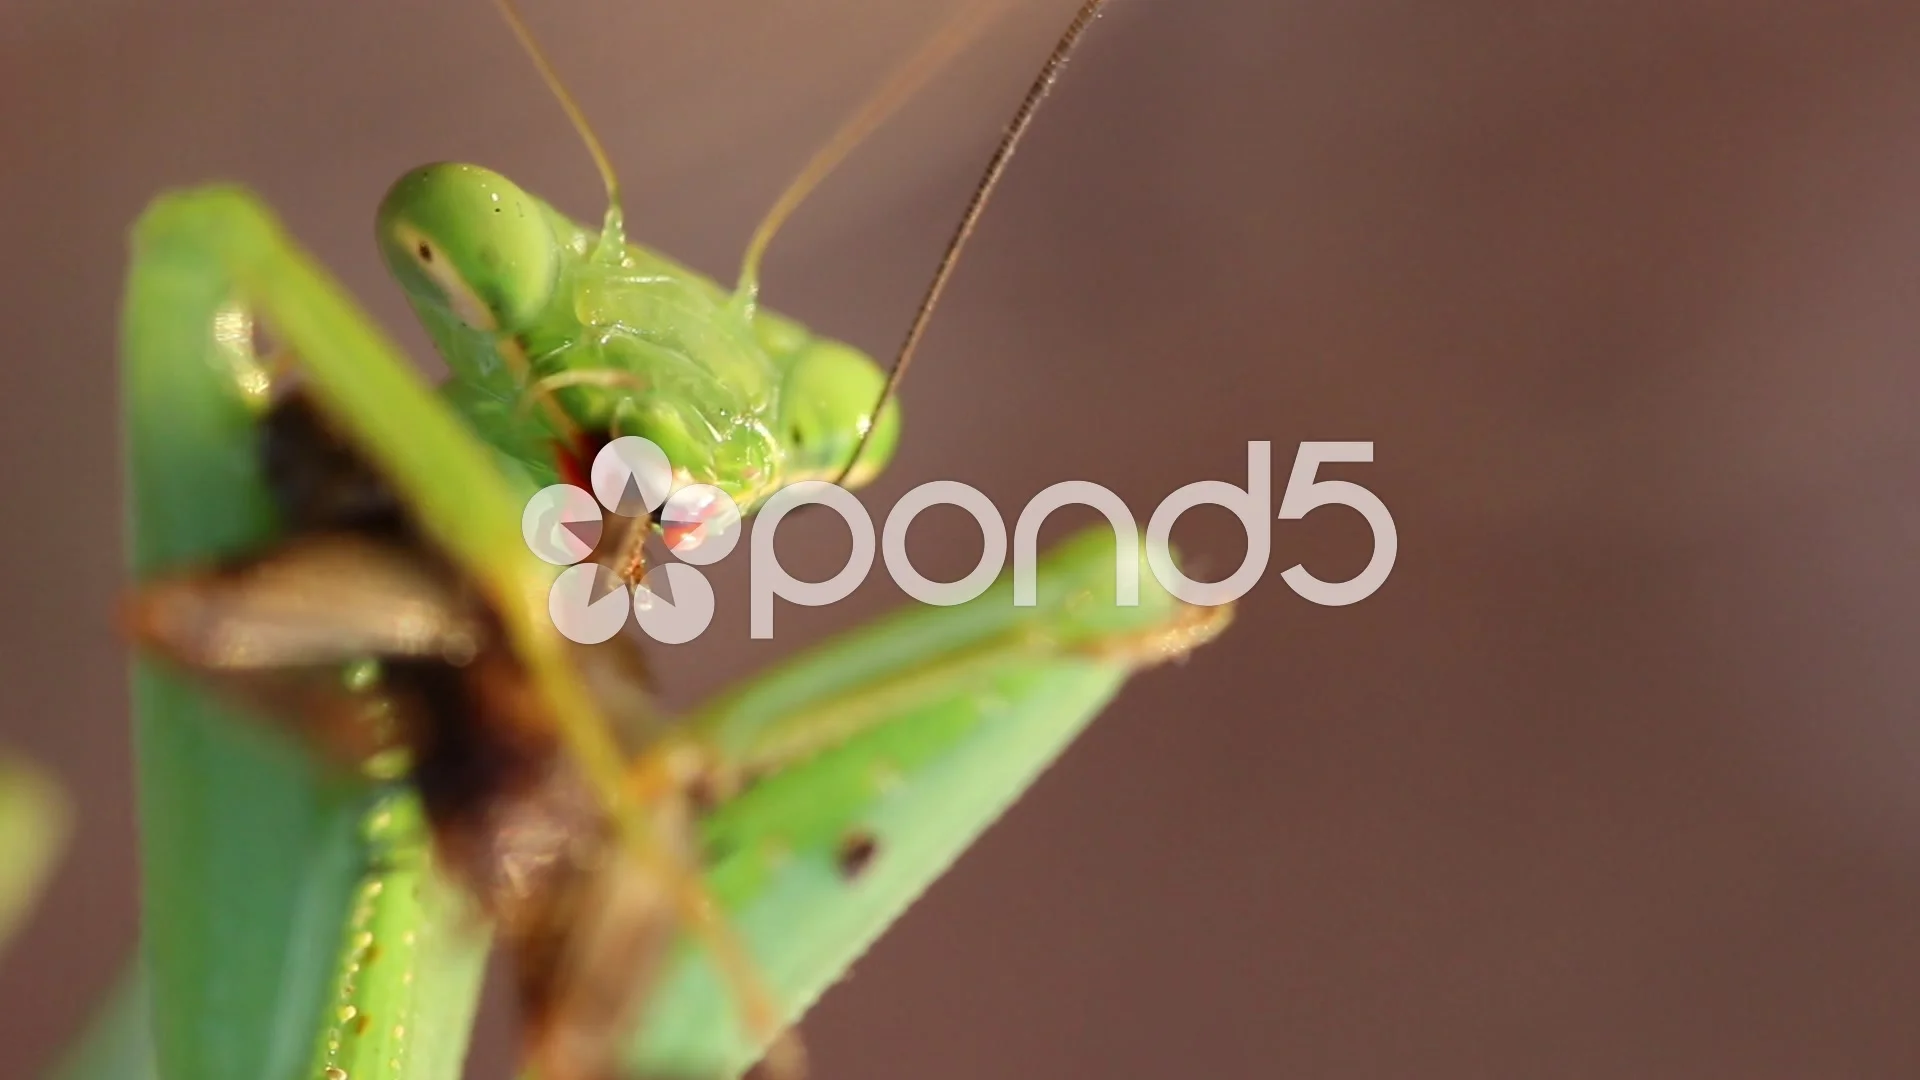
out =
column 865, row 767
column 410, row 963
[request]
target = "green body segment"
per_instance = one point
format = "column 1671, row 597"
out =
column 528, row 306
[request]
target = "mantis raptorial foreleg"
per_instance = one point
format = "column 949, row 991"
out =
column 251, row 848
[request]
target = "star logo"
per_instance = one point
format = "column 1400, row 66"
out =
column 631, row 476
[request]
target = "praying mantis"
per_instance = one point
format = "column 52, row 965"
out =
column 326, row 546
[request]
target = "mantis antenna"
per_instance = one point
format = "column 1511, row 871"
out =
column 613, row 234
column 970, row 217
column 902, row 84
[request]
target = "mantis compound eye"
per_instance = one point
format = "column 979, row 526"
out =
column 826, row 408
column 469, row 241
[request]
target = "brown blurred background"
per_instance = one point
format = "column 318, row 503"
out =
column 1619, row 775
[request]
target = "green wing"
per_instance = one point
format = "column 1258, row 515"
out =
column 949, row 714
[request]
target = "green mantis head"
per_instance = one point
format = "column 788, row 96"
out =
column 471, row 242
column 748, row 408
column 826, row 405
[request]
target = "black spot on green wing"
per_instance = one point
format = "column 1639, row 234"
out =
column 857, row 851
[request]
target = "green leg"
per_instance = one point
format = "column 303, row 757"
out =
column 405, row 983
